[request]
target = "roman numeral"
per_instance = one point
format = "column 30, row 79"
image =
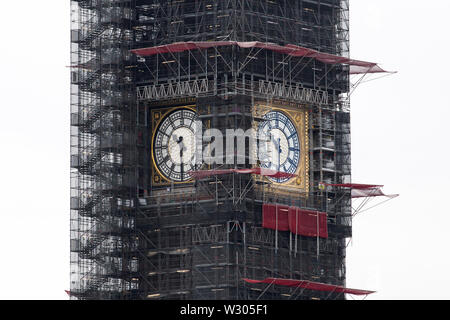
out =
column 292, row 135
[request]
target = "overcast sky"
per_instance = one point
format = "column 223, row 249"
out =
column 399, row 136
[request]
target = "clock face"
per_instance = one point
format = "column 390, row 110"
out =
column 281, row 145
column 174, row 145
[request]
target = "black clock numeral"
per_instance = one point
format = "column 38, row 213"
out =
column 292, row 135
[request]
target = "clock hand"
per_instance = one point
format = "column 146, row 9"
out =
column 279, row 156
column 179, row 141
column 181, row 144
column 280, row 151
column 277, row 144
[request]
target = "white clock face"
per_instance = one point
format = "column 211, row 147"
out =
column 174, row 145
column 281, row 148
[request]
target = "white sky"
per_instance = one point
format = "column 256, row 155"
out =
column 399, row 137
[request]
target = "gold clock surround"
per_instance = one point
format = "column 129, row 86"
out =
column 299, row 116
column 157, row 117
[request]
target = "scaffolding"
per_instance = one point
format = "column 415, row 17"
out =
column 134, row 238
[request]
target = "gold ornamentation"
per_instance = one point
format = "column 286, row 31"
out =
column 157, row 116
column 300, row 116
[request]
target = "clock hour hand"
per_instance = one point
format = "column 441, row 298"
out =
column 176, row 139
column 277, row 143
column 179, row 141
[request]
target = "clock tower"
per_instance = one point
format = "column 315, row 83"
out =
column 165, row 203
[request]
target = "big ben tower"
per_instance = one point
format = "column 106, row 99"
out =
column 172, row 105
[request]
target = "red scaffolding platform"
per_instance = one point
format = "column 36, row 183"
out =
column 356, row 66
column 310, row 285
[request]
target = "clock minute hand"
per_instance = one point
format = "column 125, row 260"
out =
column 182, row 148
column 181, row 144
column 277, row 144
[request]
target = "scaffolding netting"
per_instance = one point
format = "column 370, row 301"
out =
column 276, row 217
column 310, row 285
column 296, row 220
column 356, row 66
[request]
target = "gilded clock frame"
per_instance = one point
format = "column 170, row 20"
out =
column 299, row 116
column 157, row 117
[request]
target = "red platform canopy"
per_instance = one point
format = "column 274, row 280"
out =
column 309, row 285
column 356, row 66
column 364, row 190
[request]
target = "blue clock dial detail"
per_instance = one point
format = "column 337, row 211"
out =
column 279, row 144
